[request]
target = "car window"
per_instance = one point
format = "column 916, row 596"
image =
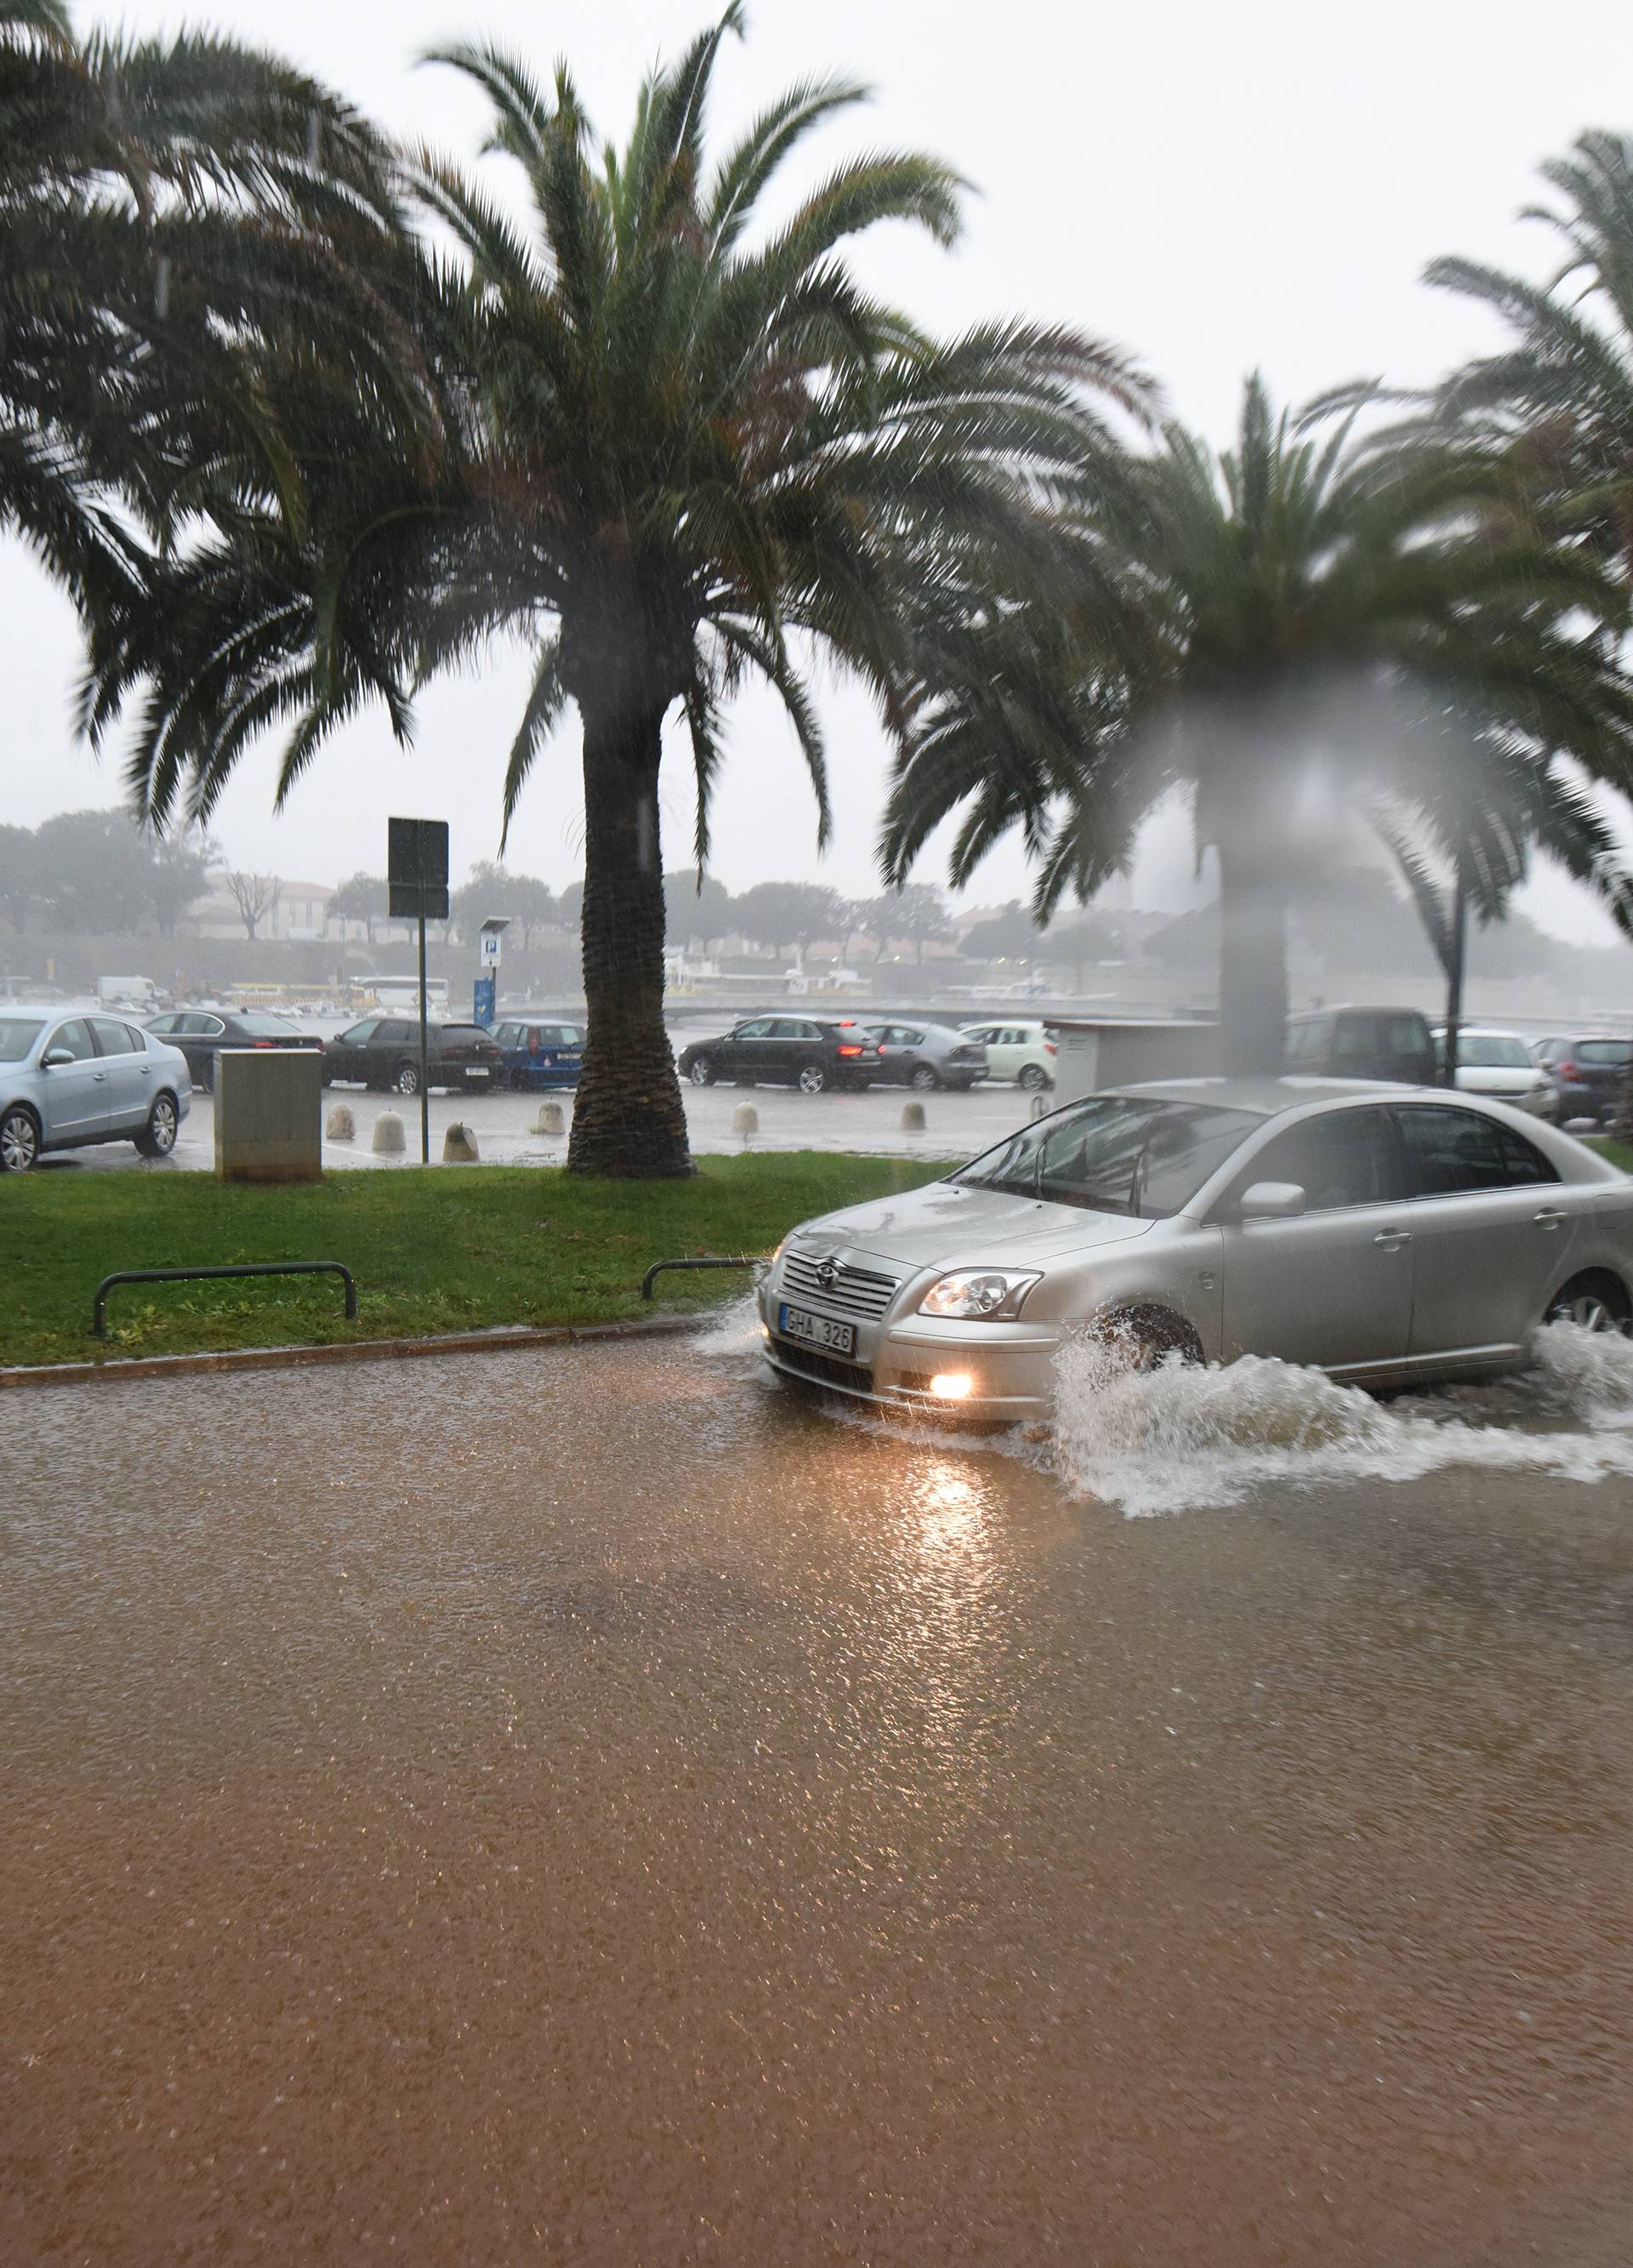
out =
column 18, row 1035
column 76, row 1037
column 1117, row 1153
column 558, row 1035
column 909, row 1038
column 1307, row 1042
column 1478, row 1051
column 1605, row 1053
column 465, row 1033
column 1403, row 1035
column 1356, row 1036
column 507, row 1035
column 162, row 1025
column 360, row 1032
column 1345, row 1158
column 757, row 1030
column 983, row 1032
column 113, row 1039
column 1450, row 1152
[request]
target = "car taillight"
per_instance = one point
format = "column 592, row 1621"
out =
column 844, row 1051
column 1049, row 1048
column 1567, row 1070
column 263, row 1043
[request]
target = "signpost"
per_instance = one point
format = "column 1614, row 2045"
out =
column 484, row 992
column 417, row 868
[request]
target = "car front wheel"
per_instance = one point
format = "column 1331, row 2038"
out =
column 812, row 1079
column 1033, row 1077
column 1147, row 1333
column 158, row 1137
column 1595, row 1302
column 702, row 1071
column 406, row 1079
column 20, row 1141
column 923, row 1079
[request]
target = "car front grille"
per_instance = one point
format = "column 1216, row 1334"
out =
column 853, row 1291
column 824, row 1369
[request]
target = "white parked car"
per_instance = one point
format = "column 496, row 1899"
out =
column 1022, row 1051
column 66, row 1081
column 1382, row 1234
column 1503, row 1066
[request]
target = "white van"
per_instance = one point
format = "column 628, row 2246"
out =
column 139, row 993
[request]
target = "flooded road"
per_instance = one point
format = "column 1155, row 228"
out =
column 596, row 1807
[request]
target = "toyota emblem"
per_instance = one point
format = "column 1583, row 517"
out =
column 827, row 1274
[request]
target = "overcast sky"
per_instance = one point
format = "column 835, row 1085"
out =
column 1213, row 187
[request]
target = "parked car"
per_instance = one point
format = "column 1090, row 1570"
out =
column 1382, row 1234
column 1023, row 1052
column 926, row 1055
column 540, row 1054
column 202, row 1033
column 800, row 1051
column 384, row 1052
column 1388, row 1044
column 1589, row 1071
column 1500, row 1064
column 66, row 1081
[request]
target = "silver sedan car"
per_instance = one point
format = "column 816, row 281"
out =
column 1382, row 1234
column 67, row 1080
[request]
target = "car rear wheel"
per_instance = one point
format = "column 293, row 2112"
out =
column 406, row 1079
column 20, row 1141
column 158, row 1137
column 812, row 1079
column 703, row 1070
column 207, row 1075
column 1595, row 1302
column 924, row 1078
column 1148, row 1334
column 1033, row 1077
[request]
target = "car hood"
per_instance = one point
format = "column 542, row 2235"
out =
column 948, row 1224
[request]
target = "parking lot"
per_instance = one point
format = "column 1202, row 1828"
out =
column 956, row 1126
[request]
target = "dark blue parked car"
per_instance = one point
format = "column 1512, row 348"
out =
column 540, row 1052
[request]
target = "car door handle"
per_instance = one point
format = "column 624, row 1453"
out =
column 100, row 1077
column 1549, row 1217
column 1392, row 1239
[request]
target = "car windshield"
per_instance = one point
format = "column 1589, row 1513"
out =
column 1616, row 1052
column 18, row 1035
column 265, row 1028
column 1119, row 1153
column 466, row 1032
column 1479, row 1051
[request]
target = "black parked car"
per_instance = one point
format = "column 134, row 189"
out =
column 384, row 1052
column 1589, row 1071
column 785, row 1051
column 202, row 1033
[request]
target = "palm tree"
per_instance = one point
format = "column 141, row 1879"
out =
column 1312, row 628
column 161, row 204
column 1560, row 392
column 682, row 444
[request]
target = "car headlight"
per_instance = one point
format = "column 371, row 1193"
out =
column 982, row 1295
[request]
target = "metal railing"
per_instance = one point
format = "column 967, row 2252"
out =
column 99, row 1324
column 660, row 1267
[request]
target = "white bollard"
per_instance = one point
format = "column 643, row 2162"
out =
column 342, row 1126
column 388, row 1141
column 551, row 1119
column 745, row 1119
column 912, row 1118
column 458, row 1146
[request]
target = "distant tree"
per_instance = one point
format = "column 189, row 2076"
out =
column 694, row 915
column 362, row 897
column 916, row 915
column 255, row 896
column 178, row 876
column 94, row 874
column 532, row 905
column 492, row 888
column 1012, row 935
column 790, row 913
column 19, row 872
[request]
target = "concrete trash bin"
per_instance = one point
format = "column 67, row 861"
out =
column 270, row 1114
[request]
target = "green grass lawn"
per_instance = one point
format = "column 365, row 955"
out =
column 1620, row 1153
column 449, row 1251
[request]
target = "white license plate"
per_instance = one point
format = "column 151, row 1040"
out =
column 817, row 1330
column 475, row 1071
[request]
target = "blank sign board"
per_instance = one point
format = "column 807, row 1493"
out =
column 417, row 867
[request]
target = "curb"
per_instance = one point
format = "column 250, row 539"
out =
column 291, row 1357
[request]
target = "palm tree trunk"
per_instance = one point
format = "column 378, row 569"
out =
column 1252, row 954
column 629, row 1124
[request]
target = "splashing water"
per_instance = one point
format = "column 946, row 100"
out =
column 1176, row 1438
column 735, row 1331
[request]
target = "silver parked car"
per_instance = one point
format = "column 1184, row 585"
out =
column 1501, row 1065
column 1381, row 1233
column 69, row 1080
column 926, row 1055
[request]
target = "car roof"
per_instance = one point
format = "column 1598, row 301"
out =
column 1354, row 1008
column 1269, row 1098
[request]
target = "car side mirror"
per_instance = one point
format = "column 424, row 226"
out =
column 1272, row 1201
column 54, row 1059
